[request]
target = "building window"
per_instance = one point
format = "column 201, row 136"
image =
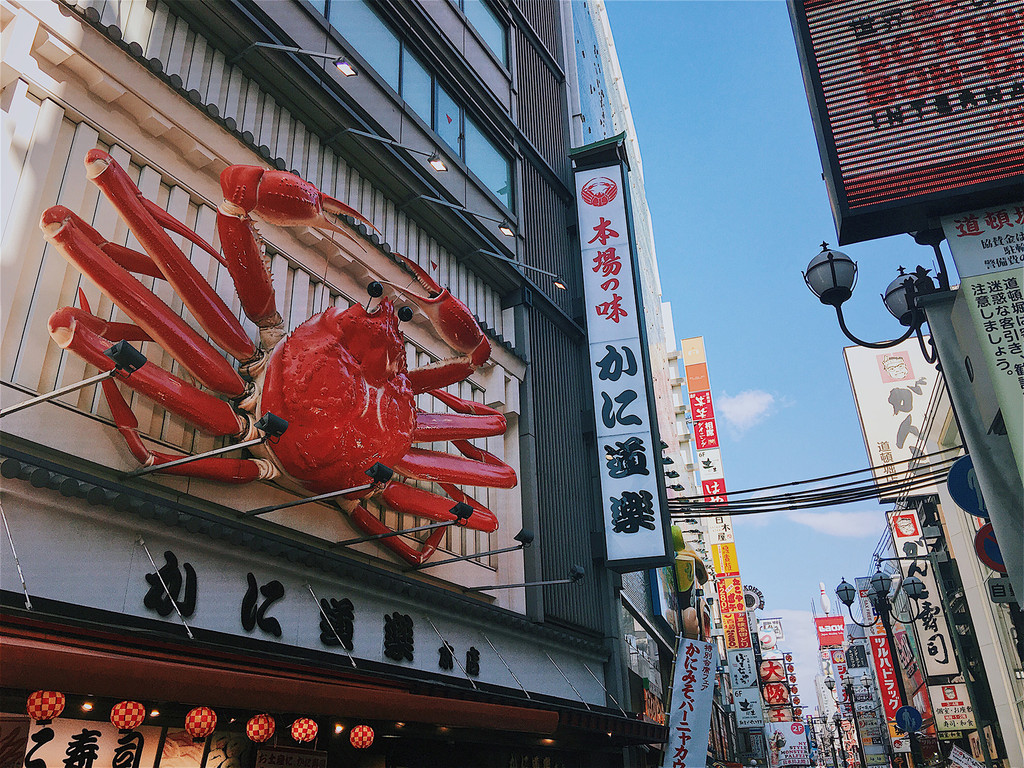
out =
column 385, row 52
column 488, row 25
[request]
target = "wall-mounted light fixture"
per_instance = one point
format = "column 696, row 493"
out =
column 555, row 278
column 434, row 157
column 576, row 574
column 504, row 225
column 269, row 424
column 342, row 64
column 127, row 359
column 524, row 537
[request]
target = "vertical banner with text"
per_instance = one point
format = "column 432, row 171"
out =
column 689, row 719
column 636, row 535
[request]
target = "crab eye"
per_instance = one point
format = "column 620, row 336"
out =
column 405, row 314
column 375, row 289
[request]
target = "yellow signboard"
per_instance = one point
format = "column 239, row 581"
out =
column 724, row 556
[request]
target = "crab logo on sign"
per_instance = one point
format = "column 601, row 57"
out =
column 599, row 191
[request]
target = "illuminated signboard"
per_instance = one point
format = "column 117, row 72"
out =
column 918, row 107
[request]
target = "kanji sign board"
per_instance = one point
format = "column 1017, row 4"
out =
column 636, row 534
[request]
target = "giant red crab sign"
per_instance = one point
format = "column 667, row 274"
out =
column 339, row 379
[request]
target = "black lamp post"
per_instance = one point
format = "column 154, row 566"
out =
column 914, row 589
column 838, row 721
column 848, row 689
column 832, row 275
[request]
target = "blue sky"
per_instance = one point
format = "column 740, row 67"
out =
column 739, row 207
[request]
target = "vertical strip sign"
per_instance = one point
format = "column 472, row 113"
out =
column 635, row 532
column 689, row 721
column 988, row 248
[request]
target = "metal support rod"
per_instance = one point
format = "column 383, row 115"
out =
column 167, row 592
column 466, row 557
column 58, row 392
column 514, row 262
column 276, row 47
column 188, row 459
column 389, row 534
column 454, row 206
column 502, row 659
column 513, row 586
column 454, row 657
column 331, row 625
column 24, row 586
column 307, row 500
column 609, row 693
column 567, row 680
column 389, row 142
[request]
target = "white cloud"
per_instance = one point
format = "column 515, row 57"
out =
column 745, row 410
column 854, row 525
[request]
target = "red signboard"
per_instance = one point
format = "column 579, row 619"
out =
column 831, row 631
column 914, row 101
column 701, row 407
column 736, row 630
column 730, row 595
column 705, row 434
column 886, row 672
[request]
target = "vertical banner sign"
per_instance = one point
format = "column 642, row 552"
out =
column 937, row 651
column 742, row 667
column 951, row 708
column 892, row 388
column 885, row 671
column 867, row 610
column 689, row 720
column 988, row 248
column 635, row 532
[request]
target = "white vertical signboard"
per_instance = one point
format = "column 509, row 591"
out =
column 630, row 460
column 689, row 717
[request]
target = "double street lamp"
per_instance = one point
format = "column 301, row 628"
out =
column 865, row 681
column 878, row 594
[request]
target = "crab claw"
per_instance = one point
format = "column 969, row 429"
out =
column 460, row 330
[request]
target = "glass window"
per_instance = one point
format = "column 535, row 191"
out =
column 448, row 119
column 320, row 5
column 489, row 164
column 416, row 85
column 372, row 39
column 487, row 23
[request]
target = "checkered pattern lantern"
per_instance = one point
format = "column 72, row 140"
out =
column 43, row 706
column 260, row 728
column 127, row 715
column 200, row 722
column 361, row 736
column 304, row 729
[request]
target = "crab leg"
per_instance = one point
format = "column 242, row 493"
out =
column 481, row 421
column 480, row 468
column 147, row 221
column 80, row 332
column 76, row 243
column 245, row 264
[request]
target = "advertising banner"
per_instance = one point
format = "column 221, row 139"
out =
column 787, row 745
column 961, row 759
column 988, row 248
column 737, row 630
column 742, row 668
column 857, row 656
column 730, row 594
column 892, row 389
column 63, row 740
column 867, row 611
column 636, row 536
column 885, row 672
column 724, row 557
column 719, row 529
column 951, row 708
column 773, row 625
column 938, row 655
column 689, row 717
column 831, row 631
column 748, row 707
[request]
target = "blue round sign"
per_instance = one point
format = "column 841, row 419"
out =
column 987, row 548
column 963, row 487
column 908, row 719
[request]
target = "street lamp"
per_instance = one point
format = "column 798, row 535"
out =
column 838, row 721
column 913, row 588
column 848, row 688
column 832, row 276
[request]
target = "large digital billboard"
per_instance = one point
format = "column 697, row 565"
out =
column 918, row 107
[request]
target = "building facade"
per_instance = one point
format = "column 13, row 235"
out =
column 179, row 592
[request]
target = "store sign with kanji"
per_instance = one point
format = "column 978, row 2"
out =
column 951, row 708
column 988, row 248
column 628, row 454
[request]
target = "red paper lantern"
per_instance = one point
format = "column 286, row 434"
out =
column 260, row 728
column 200, row 722
column 776, row 693
column 127, row 715
column 361, row 736
column 304, row 729
column 43, row 706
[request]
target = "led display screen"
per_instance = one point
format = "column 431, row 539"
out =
column 918, row 106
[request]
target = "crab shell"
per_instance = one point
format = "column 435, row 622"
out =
column 340, row 380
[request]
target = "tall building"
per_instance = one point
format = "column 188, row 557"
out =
column 393, row 617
